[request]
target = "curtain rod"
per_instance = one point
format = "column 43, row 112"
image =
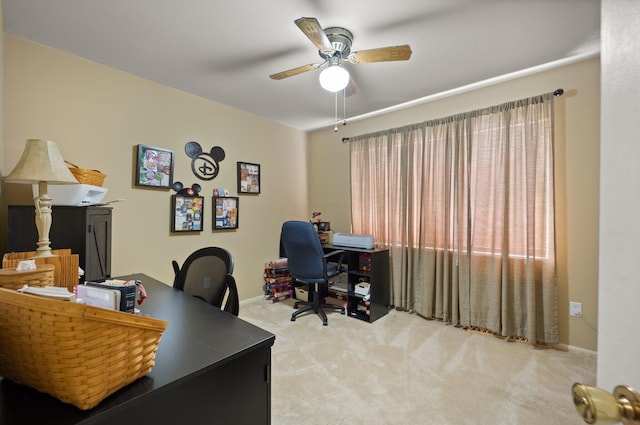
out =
column 557, row 93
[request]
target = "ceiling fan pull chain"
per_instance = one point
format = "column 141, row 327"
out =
column 344, row 106
column 335, row 125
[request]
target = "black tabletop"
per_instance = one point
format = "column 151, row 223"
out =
column 198, row 337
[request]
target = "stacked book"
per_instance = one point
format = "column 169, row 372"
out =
column 278, row 283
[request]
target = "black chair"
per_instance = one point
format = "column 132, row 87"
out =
column 308, row 264
column 208, row 274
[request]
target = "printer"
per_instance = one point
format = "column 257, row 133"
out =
column 353, row 241
column 77, row 195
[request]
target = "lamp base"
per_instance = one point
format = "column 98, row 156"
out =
column 43, row 220
column 43, row 253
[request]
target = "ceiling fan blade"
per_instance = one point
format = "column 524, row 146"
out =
column 295, row 71
column 383, row 54
column 351, row 89
column 312, row 29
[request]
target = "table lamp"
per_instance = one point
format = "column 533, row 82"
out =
column 41, row 163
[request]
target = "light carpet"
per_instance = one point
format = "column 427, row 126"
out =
column 403, row 369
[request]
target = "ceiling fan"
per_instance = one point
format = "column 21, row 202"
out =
column 334, row 46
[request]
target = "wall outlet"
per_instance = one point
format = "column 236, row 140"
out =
column 575, row 309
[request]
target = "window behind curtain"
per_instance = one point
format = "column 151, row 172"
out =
column 466, row 205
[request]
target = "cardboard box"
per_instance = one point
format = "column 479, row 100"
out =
column 301, row 293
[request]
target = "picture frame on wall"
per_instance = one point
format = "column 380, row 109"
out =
column 187, row 213
column 225, row 212
column 154, row 167
column 248, row 178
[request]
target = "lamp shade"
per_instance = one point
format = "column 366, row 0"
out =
column 334, row 78
column 41, row 161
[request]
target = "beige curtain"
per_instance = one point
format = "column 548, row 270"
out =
column 466, row 206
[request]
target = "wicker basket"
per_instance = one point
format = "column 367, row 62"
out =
column 14, row 279
column 66, row 265
column 77, row 353
column 85, row 176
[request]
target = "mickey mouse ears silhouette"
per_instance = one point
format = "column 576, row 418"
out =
column 186, row 191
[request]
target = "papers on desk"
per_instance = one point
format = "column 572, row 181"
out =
column 48, row 291
column 339, row 283
column 112, row 294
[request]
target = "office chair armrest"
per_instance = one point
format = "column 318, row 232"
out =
column 327, row 256
column 233, row 303
column 334, row 253
column 176, row 270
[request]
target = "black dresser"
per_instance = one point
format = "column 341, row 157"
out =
column 84, row 230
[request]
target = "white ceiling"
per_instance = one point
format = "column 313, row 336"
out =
column 225, row 50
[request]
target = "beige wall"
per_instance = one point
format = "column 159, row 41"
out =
column 97, row 115
column 577, row 156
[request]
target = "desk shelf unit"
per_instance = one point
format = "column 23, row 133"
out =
column 370, row 266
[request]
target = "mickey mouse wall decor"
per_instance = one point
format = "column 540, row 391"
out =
column 204, row 165
column 187, row 208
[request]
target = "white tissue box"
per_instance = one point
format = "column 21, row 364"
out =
column 361, row 288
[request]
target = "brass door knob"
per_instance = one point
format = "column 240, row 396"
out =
column 597, row 406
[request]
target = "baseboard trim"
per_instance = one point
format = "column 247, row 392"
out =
column 249, row 300
column 574, row 349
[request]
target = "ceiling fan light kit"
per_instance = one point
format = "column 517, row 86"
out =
column 334, row 78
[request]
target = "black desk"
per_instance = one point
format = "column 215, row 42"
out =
column 211, row 367
column 376, row 273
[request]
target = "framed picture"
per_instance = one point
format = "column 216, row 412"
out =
column 187, row 213
column 154, row 167
column 225, row 212
column 248, row 177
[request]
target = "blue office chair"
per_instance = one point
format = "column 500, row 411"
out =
column 208, row 274
column 308, row 264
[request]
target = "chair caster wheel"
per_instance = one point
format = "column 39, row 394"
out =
column 324, row 323
column 293, row 319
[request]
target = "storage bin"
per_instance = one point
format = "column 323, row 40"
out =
column 66, row 265
column 77, row 353
column 43, row 275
